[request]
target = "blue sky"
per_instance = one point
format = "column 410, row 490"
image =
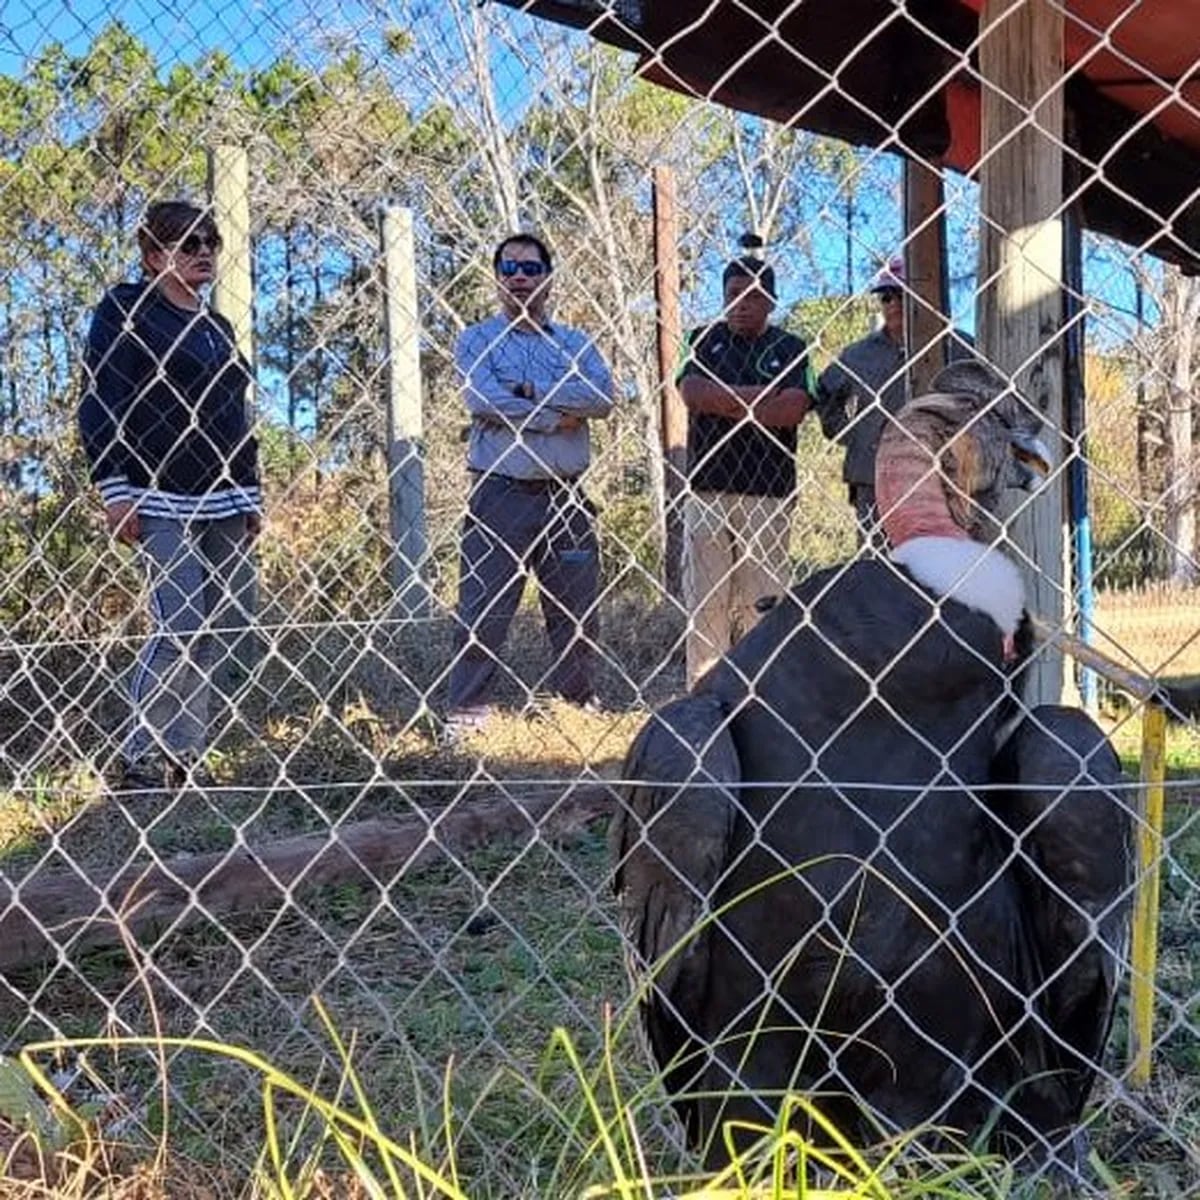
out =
column 252, row 32
column 249, row 30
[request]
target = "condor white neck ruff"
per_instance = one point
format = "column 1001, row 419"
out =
column 967, row 571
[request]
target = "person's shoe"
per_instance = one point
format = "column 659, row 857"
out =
column 150, row 772
column 157, row 772
column 188, row 770
column 537, row 705
column 588, row 705
column 462, row 723
column 541, row 704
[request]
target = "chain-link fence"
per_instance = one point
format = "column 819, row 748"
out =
column 400, row 810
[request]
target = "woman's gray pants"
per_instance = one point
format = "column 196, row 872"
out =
column 199, row 604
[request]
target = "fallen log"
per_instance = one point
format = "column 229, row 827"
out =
column 48, row 914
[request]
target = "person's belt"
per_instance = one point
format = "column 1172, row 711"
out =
column 526, row 485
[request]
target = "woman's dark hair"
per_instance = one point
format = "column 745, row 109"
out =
column 523, row 239
column 167, row 222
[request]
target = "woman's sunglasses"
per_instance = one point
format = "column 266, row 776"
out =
column 195, row 242
column 519, row 266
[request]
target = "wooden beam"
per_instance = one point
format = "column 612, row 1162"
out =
column 672, row 413
column 1020, row 272
column 53, row 913
column 925, row 302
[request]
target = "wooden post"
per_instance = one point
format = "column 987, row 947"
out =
column 405, row 424
column 925, row 301
column 672, row 414
column 233, row 291
column 233, row 298
column 1020, row 272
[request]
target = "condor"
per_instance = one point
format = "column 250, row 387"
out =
column 852, row 865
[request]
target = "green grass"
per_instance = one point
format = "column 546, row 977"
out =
column 476, row 964
column 477, row 961
column 471, row 962
column 1149, row 1136
column 336, row 1140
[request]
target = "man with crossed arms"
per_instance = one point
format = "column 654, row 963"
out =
column 530, row 385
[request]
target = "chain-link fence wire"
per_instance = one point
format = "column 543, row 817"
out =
column 447, row 898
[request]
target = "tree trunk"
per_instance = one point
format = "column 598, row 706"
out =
column 494, row 144
column 1179, row 493
column 289, row 341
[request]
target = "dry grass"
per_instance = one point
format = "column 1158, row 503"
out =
column 1155, row 630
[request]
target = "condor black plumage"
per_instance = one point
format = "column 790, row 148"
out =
column 820, row 890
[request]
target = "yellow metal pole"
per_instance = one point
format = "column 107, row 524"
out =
column 1144, row 949
column 1144, row 954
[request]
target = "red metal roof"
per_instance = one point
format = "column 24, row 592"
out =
column 1144, row 54
column 858, row 70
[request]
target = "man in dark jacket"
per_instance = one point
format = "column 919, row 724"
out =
column 746, row 388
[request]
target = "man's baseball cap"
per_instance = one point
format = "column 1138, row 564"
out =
column 891, row 278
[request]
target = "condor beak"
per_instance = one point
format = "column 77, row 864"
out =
column 1033, row 459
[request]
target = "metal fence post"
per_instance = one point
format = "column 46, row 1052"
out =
column 1144, row 944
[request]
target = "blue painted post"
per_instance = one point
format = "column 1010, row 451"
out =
column 1076, row 440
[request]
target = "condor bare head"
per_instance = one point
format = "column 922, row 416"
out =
column 948, row 456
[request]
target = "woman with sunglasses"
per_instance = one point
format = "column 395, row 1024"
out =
column 167, row 434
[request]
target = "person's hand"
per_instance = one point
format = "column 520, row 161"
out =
column 123, row 522
column 253, row 525
column 569, row 421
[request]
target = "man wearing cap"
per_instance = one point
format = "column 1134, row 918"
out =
column 867, row 382
column 746, row 387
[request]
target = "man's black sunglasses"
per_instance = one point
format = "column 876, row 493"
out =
column 886, row 294
column 195, row 242
column 519, row 266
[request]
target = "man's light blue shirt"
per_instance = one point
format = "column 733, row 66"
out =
column 516, row 436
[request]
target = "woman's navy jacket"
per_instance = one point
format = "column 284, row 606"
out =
column 164, row 406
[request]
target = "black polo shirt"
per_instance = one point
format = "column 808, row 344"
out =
column 725, row 455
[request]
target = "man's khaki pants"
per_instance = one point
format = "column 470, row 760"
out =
column 736, row 551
